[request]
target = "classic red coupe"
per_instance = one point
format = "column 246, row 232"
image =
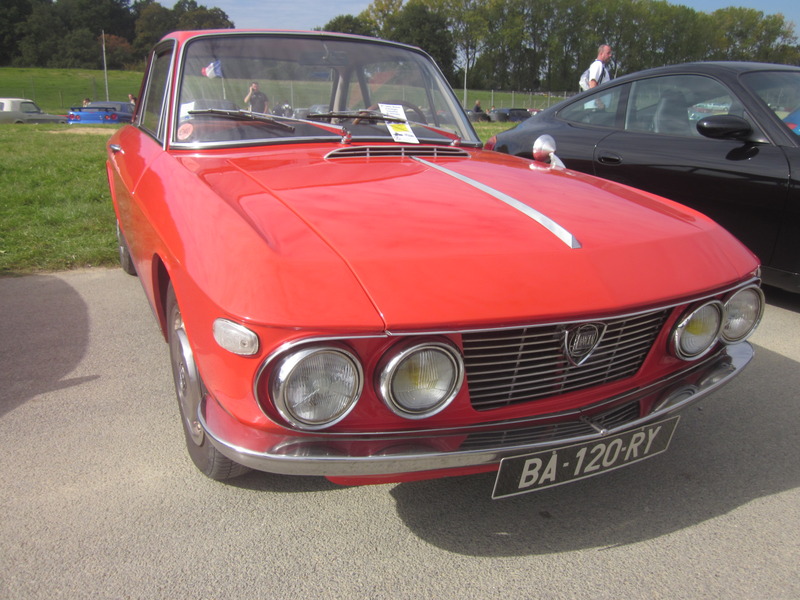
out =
column 352, row 288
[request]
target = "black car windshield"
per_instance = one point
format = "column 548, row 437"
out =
column 780, row 90
column 323, row 87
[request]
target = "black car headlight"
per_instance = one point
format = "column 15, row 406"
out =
column 420, row 380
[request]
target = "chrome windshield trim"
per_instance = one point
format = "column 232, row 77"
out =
column 557, row 230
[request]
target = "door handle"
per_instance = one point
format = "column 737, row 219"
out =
column 609, row 159
column 116, row 148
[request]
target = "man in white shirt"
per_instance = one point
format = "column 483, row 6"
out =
column 597, row 72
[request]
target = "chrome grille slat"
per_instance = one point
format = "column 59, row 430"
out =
column 397, row 152
column 542, row 433
column 520, row 365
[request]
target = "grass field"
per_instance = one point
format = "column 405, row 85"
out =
column 55, row 208
column 56, row 90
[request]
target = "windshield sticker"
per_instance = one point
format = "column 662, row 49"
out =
column 185, row 131
column 400, row 132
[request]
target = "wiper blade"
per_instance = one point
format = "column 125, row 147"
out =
column 356, row 115
column 244, row 115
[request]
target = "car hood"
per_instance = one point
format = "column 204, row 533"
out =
column 456, row 242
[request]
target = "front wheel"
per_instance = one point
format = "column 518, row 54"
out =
column 189, row 390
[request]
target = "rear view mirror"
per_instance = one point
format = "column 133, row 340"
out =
column 724, row 127
column 544, row 150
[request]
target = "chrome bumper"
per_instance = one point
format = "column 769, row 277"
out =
column 356, row 455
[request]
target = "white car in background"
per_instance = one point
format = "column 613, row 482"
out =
column 22, row 110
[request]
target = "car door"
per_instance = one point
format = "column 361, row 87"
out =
column 741, row 185
column 582, row 125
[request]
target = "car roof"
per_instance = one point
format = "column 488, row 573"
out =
column 710, row 68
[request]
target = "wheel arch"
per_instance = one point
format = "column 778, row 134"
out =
column 161, row 280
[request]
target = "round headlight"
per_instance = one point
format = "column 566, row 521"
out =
column 421, row 380
column 743, row 312
column 315, row 388
column 697, row 332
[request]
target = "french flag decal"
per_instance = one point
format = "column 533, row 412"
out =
column 212, row 70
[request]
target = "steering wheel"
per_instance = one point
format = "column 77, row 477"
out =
column 419, row 115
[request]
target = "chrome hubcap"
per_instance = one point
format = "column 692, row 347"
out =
column 187, row 381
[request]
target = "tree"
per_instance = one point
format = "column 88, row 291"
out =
column 12, row 14
column 379, row 11
column 418, row 25
column 350, row 24
column 40, row 35
column 204, row 18
column 153, row 23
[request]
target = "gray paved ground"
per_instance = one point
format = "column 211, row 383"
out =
column 98, row 498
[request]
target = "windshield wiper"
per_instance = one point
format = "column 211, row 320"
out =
column 356, row 115
column 244, row 115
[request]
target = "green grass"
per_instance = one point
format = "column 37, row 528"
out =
column 487, row 130
column 55, row 208
column 56, row 90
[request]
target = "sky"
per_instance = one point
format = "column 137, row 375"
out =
column 308, row 14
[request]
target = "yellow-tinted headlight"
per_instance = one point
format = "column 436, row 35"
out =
column 421, row 380
column 698, row 331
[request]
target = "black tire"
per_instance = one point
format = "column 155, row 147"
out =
column 125, row 260
column 189, row 391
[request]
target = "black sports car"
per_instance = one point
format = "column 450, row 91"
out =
column 721, row 137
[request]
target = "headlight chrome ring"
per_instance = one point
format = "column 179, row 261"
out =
column 698, row 331
column 316, row 387
column 743, row 312
column 420, row 380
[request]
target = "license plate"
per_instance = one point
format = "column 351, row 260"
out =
column 548, row 468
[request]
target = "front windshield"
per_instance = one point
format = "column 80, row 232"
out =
column 246, row 88
column 780, row 90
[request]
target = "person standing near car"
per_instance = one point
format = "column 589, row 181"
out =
column 597, row 72
column 256, row 99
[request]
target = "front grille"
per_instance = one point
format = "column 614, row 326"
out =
column 550, row 432
column 397, row 152
column 520, row 365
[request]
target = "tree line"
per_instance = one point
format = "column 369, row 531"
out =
column 546, row 44
column 483, row 44
column 71, row 33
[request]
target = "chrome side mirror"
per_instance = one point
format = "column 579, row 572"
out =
column 544, row 150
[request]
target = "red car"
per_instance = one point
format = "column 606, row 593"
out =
column 365, row 294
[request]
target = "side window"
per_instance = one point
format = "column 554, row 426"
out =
column 155, row 96
column 598, row 109
column 672, row 105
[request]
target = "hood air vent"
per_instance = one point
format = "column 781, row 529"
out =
column 397, row 152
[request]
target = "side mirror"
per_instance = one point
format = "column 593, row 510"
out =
column 544, row 150
column 724, row 127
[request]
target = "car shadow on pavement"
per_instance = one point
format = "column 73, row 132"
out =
column 45, row 325
column 732, row 448
column 782, row 298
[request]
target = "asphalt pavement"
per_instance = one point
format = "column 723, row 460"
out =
column 99, row 499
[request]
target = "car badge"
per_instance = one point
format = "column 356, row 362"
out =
column 581, row 340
